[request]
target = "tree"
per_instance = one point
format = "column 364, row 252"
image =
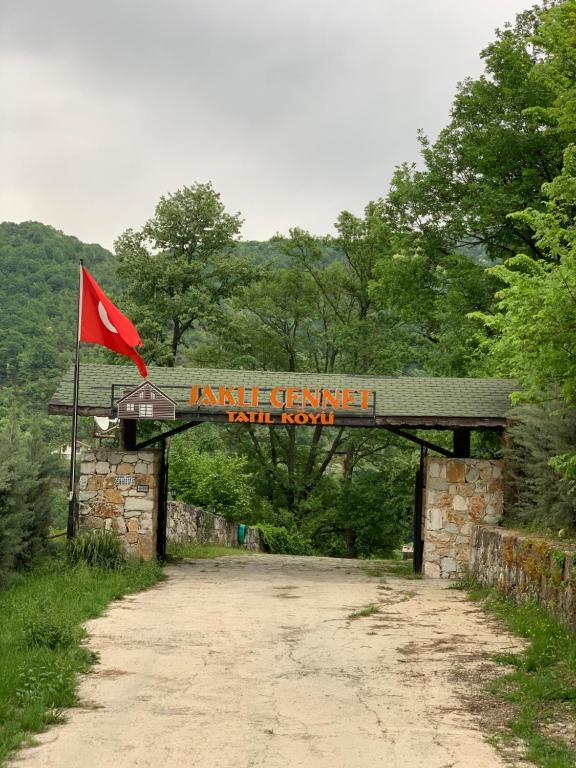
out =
column 26, row 476
column 179, row 267
column 532, row 337
column 490, row 160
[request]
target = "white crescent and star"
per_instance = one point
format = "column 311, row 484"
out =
column 105, row 319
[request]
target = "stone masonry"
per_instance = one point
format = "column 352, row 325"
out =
column 188, row 523
column 527, row 567
column 459, row 493
column 118, row 492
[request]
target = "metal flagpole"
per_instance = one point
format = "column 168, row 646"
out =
column 72, row 502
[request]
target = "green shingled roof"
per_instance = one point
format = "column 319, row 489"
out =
column 439, row 399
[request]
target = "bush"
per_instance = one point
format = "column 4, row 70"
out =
column 100, row 549
column 281, row 541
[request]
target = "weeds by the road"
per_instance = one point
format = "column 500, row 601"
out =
column 380, row 568
column 541, row 689
column 192, row 550
column 369, row 610
column 40, row 633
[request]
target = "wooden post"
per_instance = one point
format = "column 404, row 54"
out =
column 418, row 544
column 462, row 443
column 162, row 518
column 128, row 434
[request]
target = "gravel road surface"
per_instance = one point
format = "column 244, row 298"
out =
column 252, row 661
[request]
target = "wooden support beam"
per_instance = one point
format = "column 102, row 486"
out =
column 169, row 433
column 462, row 443
column 421, row 442
column 128, row 434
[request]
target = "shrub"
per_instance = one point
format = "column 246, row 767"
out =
column 281, row 541
column 101, row 549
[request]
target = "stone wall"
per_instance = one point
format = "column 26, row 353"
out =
column 118, row 492
column 188, row 523
column 526, row 568
column 458, row 493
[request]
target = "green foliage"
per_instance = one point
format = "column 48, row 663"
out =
column 98, row 549
column 47, row 631
column 26, row 472
column 538, row 493
column 38, row 296
column 532, row 337
column 362, row 613
column 541, row 689
column 281, row 541
column 40, row 655
column 191, row 550
column 377, row 505
column 217, row 480
column 179, row 268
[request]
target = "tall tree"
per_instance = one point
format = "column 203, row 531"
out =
column 179, row 267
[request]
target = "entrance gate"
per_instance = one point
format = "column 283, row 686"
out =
column 195, row 396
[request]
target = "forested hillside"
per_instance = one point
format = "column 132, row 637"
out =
column 38, row 293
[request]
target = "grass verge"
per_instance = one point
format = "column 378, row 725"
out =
column 40, row 633
column 540, row 691
column 403, row 568
column 192, row 550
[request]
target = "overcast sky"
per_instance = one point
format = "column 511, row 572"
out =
column 294, row 109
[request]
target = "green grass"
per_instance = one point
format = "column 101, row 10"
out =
column 40, row 634
column 369, row 610
column 403, row 568
column 183, row 550
column 542, row 686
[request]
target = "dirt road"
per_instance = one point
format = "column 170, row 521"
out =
column 253, row 661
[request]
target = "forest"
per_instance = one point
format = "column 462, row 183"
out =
column 466, row 266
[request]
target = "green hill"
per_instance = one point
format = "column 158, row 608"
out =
column 38, row 293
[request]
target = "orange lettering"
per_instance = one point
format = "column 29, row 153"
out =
column 274, row 397
column 348, row 398
column 226, row 396
column 329, row 399
column 208, row 396
column 292, row 397
column 194, row 392
column 364, row 398
column 308, row 398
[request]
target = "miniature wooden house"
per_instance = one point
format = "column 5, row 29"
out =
column 146, row 401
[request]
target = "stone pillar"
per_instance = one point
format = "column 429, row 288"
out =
column 458, row 494
column 119, row 492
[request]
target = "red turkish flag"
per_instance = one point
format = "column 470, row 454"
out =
column 103, row 323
